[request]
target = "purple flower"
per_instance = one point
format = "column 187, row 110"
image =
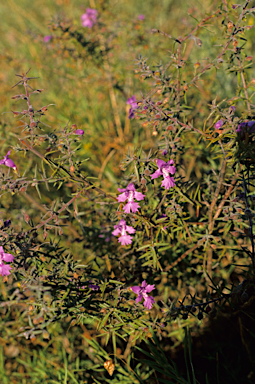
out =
column 232, row 108
column 7, row 257
column 47, row 38
column 164, row 217
column 94, row 287
column 142, row 293
column 89, row 18
column 8, row 162
column 7, row 223
column 106, row 239
column 130, row 194
column 164, row 152
column 131, row 113
column 79, row 132
column 122, row 229
column 133, row 103
column 141, row 17
column 247, row 126
column 164, row 169
column 219, row 124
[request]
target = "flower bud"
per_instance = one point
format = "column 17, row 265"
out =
column 46, row 335
column 200, row 316
column 208, row 309
column 26, row 217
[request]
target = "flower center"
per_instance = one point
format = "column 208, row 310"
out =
column 123, row 230
column 131, row 197
column 165, row 173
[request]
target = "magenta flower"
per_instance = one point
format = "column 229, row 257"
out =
column 130, row 194
column 141, row 17
column 122, row 229
column 47, row 38
column 133, row 103
column 89, row 18
column 79, row 132
column 8, row 162
column 142, row 293
column 164, row 152
column 7, row 257
column 165, row 169
column 219, row 124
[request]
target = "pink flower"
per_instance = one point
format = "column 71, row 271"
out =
column 142, row 293
column 7, row 257
column 8, row 162
column 79, row 132
column 89, row 18
column 122, row 229
column 130, row 194
column 47, row 38
column 219, row 124
column 141, row 17
column 164, row 169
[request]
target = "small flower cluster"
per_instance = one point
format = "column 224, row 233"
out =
column 128, row 194
column 89, row 18
column 7, row 257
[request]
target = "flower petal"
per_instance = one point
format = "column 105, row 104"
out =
column 136, row 289
column 156, row 174
column 131, row 206
column 130, row 229
column 150, row 288
column 168, row 182
column 5, row 269
column 125, row 239
column 160, row 163
column 148, row 302
column 8, row 257
column 139, row 196
column 116, row 232
column 122, row 197
column 139, row 298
